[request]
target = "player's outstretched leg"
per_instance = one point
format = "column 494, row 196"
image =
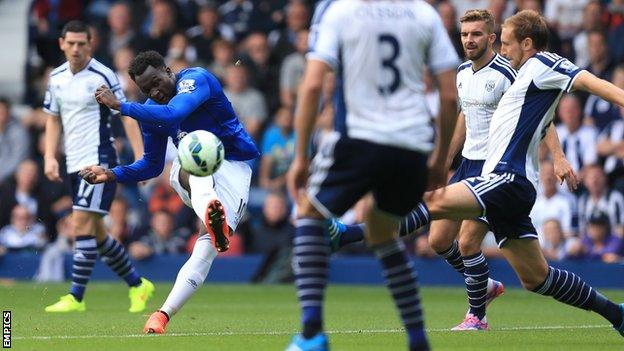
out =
column 310, row 263
column 342, row 235
column 190, row 277
column 527, row 259
column 85, row 254
column 115, row 256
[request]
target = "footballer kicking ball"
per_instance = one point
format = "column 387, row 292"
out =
column 200, row 153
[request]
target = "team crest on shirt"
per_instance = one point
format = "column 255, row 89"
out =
column 567, row 66
column 459, row 86
column 186, row 86
column 489, row 86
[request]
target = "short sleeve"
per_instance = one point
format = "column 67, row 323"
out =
column 324, row 40
column 117, row 90
column 559, row 76
column 441, row 55
column 50, row 103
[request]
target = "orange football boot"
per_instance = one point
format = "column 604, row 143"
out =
column 156, row 323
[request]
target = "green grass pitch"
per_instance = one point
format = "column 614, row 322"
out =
column 248, row 317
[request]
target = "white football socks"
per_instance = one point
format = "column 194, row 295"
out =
column 191, row 276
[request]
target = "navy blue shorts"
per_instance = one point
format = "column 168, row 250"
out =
column 344, row 170
column 507, row 200
column 467, row 168
column 91, row 197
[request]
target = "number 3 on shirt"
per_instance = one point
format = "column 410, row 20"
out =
column 389, row 63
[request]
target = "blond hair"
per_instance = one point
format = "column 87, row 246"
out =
column 529, row 24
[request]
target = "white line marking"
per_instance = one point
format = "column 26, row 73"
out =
column 362, row 331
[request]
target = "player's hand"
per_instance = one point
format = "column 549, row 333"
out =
column 564, row 172
column 105, row 96
column 51, row 169
column 96, row 174
column 297, row 176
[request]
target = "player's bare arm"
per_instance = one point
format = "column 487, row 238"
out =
column 563, row 170
column 459, row 137
column 600, row 87
column 133, row 132
column 305, row 117
column 52, row 136
column 105, row 96
column 438, row 171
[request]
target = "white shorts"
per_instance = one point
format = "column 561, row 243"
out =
column 230, row 184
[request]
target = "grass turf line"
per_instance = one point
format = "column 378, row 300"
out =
column 248, row 317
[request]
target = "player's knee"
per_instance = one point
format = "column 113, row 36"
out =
column 438, row 242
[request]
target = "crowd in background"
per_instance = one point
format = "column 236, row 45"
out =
column 257, row 50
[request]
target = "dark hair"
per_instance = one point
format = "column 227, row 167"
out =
column 529, row 24
column 139, row 64
column 76, row 26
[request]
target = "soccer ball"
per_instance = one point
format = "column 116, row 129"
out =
column 200, row 153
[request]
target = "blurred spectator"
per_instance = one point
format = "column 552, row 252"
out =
column 162, row 27
column 263, row 75
column 23, row 233
column 161, row 238
column 164, row 198
column 599, row 244
column 49, row 17
column 600, row 62
column 577, row 140
column 616, row 33
column 461, row 6
column 246, row 101
column 555, row 42
column 599, row 112
column 13, row 139
column 121, row 63
column 203, row 35
column 278, row 150
column 292, row 70
column 25, row 190
column 599, row 198
column 591, row 21
column 422, row 248
column 180, row 54
column 236, row 15
column 284, row 42
column 449, row 19
column 611, row 146
column 121, row 34
column 52, row 265
column 550, row 204
column 498, row 9
column 274, row 228
column 118, row 223
column 566, row 16
column 552, row 240
column 223, row 53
